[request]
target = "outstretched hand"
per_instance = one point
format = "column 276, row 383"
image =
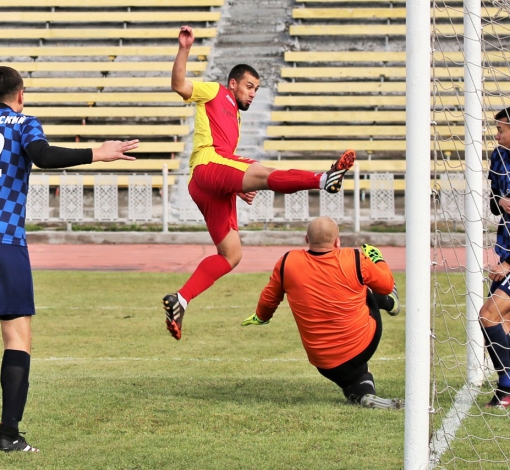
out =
column 254, row 320
column 112, row 150
column 186, row 37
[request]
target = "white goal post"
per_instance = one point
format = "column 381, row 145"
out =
column 447, row 425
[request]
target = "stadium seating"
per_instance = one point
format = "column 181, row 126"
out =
column 131, row 17
column 101, row 69
column 120, row 167
column 333, row 96
column 101, row 33
column 119, row 3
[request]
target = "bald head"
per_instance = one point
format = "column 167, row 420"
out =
column 322, row 234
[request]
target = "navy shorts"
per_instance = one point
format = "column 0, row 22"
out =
column 503, row 285
column 16, row 285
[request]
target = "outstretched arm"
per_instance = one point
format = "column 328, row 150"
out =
column 45, row 155
column 179, row 83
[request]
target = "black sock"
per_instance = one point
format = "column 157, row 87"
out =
column 14, row 380
column 384, row 302
column 496, row 341
column 357, row 390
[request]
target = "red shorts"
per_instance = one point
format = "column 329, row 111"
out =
column 214, row 187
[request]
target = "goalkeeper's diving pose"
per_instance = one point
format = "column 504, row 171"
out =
column 335, row 295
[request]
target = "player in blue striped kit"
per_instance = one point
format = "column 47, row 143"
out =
column 22, row 142
column 495, row 313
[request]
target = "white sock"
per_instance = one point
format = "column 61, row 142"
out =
column 182, row 301
column 322, row 182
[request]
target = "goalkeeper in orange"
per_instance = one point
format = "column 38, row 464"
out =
column 335, row 295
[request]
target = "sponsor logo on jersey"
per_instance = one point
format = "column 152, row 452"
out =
column 232, row 102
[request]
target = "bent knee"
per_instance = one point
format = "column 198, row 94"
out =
column 233, row 257
column 234, row 260
column 488, row 317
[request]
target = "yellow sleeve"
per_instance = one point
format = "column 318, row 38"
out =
column 203, row 92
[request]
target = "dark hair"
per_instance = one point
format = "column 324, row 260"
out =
column 504, row 113
column 10, row 83
column 237, row 73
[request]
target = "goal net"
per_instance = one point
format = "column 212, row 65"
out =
column 467, row 91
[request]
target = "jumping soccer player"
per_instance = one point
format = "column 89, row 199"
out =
column 22, row 142
column 335, row 295
column 218, row 175
column 495, row 312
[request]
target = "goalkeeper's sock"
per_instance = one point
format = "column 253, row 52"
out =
column 206, row 274
column 360, row 387
column 497, row 344
column 291, row 181
column 384, row 302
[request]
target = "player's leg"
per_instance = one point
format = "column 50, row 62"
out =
column 358, row 386
column 492, row 316
column 259, row 177
column 16, row 309
column 212, row 188
column 353, row 376
column 389, row 302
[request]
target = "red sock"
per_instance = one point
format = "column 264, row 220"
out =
column 207, row 273
column 291, row 181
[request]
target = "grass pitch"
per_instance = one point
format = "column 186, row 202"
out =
column 110, row 389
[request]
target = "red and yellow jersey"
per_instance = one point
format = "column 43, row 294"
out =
column 327, row 294
column 217, row 120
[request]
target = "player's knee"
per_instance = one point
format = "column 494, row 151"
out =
column 487, row 317
column 233, row 257
column 234, row 261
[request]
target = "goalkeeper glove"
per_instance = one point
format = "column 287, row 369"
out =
column 372, row 252
column 254, row 320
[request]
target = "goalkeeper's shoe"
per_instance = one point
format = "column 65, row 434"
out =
column 396, row 302
column 336, row 174
column 174, row 315
column 501, row 399
column 373, row 401
column 15, row 442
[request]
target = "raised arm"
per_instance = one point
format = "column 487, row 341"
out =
column 179, row 83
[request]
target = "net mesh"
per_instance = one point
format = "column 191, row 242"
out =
column 465, row 434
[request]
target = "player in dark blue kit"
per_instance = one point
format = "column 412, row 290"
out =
column 495, row 313
column 22, row 142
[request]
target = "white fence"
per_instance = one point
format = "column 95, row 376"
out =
column 143, row 206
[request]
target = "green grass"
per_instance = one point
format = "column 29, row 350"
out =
column 482, row 439
column 110, row 389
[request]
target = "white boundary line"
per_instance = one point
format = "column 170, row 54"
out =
column 446, row 433
column 189, row 359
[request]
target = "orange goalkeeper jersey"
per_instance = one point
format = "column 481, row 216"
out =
column 327, row 295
